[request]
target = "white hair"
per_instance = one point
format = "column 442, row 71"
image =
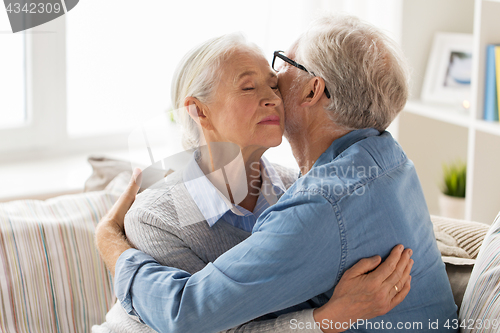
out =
column 198, row 74
column 364, row 71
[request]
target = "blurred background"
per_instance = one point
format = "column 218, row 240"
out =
column 78, row 85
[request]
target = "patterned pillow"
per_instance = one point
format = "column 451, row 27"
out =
column 480, row 311
column 51, row 276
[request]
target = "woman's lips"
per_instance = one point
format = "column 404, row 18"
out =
column 270, row 120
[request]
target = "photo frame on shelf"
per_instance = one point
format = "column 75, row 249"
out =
column 449, row 69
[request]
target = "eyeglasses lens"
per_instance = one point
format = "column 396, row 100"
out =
column 278, row 64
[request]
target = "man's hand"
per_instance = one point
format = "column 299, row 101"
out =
column 110, row 234
column 362, row 294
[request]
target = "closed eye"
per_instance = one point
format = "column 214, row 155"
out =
column 274, row 88
column 249, row 88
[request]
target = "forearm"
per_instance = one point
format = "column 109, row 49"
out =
column 170, row 250
column 109, row 235
column 236, row 287
column 111, row 243
column 209, row 300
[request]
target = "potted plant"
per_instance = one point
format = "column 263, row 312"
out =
column 452, row 198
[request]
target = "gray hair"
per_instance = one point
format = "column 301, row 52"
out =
column 197, row 75
column 364, row 71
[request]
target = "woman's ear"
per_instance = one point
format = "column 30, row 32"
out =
column 197, row 111
column 313, row 92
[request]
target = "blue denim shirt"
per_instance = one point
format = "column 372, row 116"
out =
column 361, row 198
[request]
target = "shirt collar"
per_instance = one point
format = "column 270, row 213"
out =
column 210, row 201
column 344, row 142
column 213, row 204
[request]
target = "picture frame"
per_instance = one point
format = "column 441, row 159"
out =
column 449, row 69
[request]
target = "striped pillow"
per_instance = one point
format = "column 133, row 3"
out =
column 480, row 310
column 468, row 235
column 51, row 276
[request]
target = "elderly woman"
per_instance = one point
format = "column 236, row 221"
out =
column 231, row 112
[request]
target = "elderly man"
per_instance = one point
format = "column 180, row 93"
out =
column 342, row 82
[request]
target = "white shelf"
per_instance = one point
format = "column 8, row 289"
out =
column 445, row 113
column 451, row 115
column 488, row 127
column 443, row 133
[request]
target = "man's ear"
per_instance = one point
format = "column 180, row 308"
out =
column 313, row 92
column 197, row 111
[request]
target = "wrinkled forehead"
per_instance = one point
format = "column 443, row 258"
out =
column 247, row 62
column 247, row 56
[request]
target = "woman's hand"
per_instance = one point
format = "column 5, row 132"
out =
column 110, row 233
column 362, row 294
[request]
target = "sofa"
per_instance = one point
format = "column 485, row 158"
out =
column 53, row 280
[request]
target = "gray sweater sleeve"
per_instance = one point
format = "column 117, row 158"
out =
column 300, row 321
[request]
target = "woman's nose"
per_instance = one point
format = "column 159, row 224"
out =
column 273, row 100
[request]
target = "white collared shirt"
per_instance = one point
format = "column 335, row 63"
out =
column 214, row 205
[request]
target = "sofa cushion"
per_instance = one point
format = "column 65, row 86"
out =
column 104, row 170
column 481, row 303
column 459, row 275
column 459, row 238
column 459, row 242
column 52, row 278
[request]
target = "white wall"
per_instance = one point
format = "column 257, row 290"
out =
column 421, row 18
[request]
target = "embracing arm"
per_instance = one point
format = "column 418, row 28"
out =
column 111, row 229
column 283, row 263
column 110, row 234
column 365, row 291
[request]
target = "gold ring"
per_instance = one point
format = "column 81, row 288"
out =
column 397, row 290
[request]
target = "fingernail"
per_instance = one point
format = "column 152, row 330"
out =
column 137, row 176
column 410, row 252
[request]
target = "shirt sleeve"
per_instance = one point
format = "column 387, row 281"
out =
column 295, row 253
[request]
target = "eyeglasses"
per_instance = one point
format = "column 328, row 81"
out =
column 278, row 59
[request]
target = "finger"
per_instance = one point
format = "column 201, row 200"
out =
column 127, row 198
column 400, row 269
column 399, row 297
column 389, row 265
column 408, row 268
column 363, row 266
column 400, row 284
column 135, row 181
column 133, row 187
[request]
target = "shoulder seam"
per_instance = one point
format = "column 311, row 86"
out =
column 354, row 186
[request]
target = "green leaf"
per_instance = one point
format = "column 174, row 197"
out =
column 454, row 179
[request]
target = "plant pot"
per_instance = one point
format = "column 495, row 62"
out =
column 452, row 207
